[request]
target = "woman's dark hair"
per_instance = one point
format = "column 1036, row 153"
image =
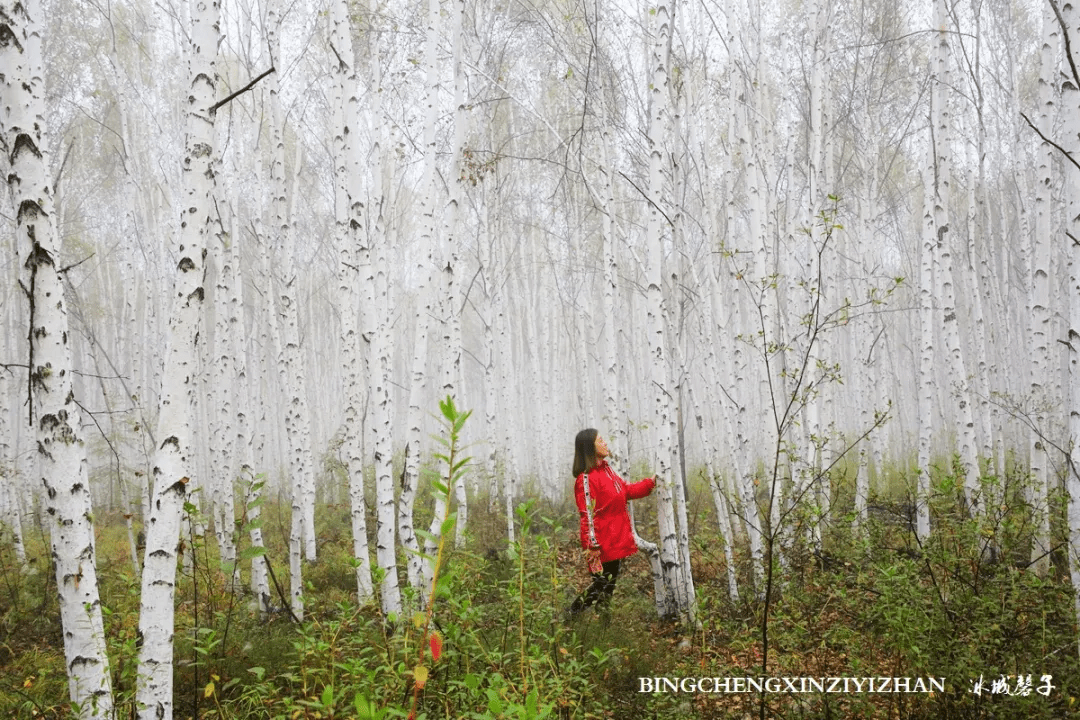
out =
column 585, row 451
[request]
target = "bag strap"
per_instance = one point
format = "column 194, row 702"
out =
column 588, row 511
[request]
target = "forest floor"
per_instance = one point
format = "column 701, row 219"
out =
column 881, row 606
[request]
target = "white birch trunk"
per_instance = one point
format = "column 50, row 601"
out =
column 422, row 255
column 175, row 455
column 10, row 509
column 942, row 169
column 1040, row 327
column 61, row 452
column 381, row 405
column 927, row 385
column 664, row 451
column 223, row 397
column 1070, row 114
column 346, row 168
column 245, row 440
column 452, row 375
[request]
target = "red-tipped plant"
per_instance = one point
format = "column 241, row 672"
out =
column 452, row 420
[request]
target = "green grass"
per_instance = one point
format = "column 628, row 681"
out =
column 876, row 606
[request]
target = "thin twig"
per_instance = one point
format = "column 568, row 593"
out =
column 63, row 270
column 647, row 198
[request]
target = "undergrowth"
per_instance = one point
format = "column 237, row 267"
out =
column 961, row 606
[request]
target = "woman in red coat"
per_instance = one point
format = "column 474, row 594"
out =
column 605, row 524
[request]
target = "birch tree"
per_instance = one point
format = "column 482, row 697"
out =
column 422, row 264
column 286, row 292
column 1040, row 328
column 53, row 412
column 174, row 457
column 1069, row 18
column 678, row 600
column 348, row 224
column 941, row 145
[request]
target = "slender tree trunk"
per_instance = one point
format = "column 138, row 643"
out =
column 349, row 225
column 659, row 59
column 927, row 384
column 1040, row 328
column 942, row 192
column 1070, row 113
column 10, row 480
column 174, row 457
column 53, row 412
column 423, row 258
column 452, row 375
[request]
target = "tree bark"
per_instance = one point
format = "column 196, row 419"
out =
column 174, row 457
column 53, row 412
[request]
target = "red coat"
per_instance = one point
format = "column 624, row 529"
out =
column 611, row 521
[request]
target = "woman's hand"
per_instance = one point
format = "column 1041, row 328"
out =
column 592, row 560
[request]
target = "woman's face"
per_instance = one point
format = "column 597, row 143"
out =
column 601, row 448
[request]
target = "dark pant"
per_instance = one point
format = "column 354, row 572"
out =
column 603, row 585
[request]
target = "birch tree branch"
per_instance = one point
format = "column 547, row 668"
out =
column 1063, row 151
column 241, row 91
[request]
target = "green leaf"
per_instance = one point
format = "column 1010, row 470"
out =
column 250, row 553
column 495, row 705
column 328, row 696
column 252, row 525
column 448, row 524
column 472, row 682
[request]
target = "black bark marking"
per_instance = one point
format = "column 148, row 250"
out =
column 159, row 554
column 7, row 35
column 83, row 660
column 171, row 440
column 29, row 210
column 185, row 264
column 24, row 141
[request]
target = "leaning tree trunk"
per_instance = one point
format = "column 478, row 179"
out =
column 53, row 411
column 174, row 456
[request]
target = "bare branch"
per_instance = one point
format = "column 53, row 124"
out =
column 1060, row 149
column 241, row 91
